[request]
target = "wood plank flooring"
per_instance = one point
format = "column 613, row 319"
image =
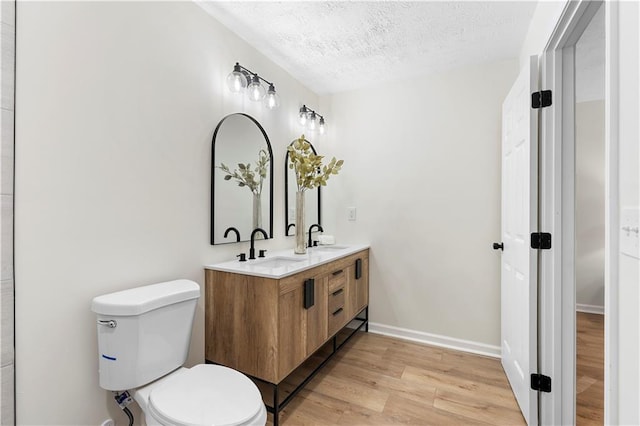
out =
column 378, row 380
column 590, row 369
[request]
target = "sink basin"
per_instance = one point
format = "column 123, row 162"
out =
column 278, row 262
column 328, row 249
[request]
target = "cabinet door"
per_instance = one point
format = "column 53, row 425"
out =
column 291, row 330
column 303, row 321
column 357, row 288
column 316, row 316
column 362, row 286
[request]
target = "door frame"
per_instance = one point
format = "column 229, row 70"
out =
column 557, row 213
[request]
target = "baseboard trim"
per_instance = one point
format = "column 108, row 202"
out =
column 590, row 309
column 436, row 340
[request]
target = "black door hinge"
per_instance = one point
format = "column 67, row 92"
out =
column 541, row 240
column 541, row 99
column 540, row 382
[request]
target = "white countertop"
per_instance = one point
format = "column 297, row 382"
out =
column 282, row 263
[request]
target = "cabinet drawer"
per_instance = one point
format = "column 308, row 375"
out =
column 336, row 300
column 337, row 279
column 337, row 319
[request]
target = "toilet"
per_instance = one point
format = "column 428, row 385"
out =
column 143, row 342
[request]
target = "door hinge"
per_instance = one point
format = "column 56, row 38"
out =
column 541, row 99
column 540, row 382
column 541, row 240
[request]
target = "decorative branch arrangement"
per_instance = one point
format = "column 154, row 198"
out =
column 310, row 172
column 245, row 176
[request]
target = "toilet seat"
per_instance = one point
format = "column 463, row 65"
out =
column 206, row 395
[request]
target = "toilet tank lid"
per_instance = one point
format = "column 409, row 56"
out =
column 139, row 300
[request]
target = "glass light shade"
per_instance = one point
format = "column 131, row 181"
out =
column 322, row 127
column 272, row 100
column 303, row 116
column 311, row 125
column 236, row 80
column 255, row 90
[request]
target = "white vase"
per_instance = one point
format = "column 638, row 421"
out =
column 257, row 211
column 300, row 243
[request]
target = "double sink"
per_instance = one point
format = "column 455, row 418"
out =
column 285, row 262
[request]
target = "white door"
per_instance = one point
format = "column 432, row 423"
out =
column 519, row 219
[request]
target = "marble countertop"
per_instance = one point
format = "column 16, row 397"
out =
column 282, row 263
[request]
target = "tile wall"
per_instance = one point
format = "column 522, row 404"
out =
column 7, row 88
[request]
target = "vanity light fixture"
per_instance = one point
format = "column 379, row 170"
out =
column 242, row 78
column 312, row 120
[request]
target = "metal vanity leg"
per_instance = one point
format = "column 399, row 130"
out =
column 366, row 315
column 276, row 406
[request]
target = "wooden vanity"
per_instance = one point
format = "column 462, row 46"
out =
column 266, row 327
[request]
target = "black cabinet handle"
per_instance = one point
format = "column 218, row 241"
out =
column 336, row 272
column 358, row 268
column 309, row 293
column 337, row 312
column 498, row 246
column 337, row 292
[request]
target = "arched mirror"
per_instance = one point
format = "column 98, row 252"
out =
column 241, row 180
column 312, row 200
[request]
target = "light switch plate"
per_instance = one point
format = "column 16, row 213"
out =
column 629, row 232
column 351, row 213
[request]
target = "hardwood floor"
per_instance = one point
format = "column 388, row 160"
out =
column 590, row 369
column 378, row 380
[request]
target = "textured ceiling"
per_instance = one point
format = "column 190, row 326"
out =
column 333, row 46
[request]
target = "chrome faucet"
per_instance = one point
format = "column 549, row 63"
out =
column 252, row 250
column 309, row 244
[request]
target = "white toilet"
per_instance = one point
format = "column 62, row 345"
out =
column 143, row 340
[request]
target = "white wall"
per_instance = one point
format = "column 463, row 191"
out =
column 116, row 107
column 422, row 167
column 590, row 205
column 541, row 27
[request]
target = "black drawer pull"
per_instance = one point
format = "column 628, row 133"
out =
column 337, row 272
column 358, row 269
column 337, row 292
column 337, row 312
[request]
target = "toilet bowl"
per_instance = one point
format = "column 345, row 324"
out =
column 202, row 395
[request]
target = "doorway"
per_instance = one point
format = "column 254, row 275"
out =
column 560, row 210
column 590, row 220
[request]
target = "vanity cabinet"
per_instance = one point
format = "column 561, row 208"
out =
column 267, row 327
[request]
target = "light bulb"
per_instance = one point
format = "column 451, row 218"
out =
column 322, row 127
column 255, row 90
column 303, row 115
column 312, row 122
column 272, row 100
column 236, row 80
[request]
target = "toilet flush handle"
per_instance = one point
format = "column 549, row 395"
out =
column 108, row 323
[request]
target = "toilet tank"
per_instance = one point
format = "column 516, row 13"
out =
column 144, row 332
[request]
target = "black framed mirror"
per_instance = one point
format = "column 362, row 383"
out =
column 241, row 180
column 313, row 199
